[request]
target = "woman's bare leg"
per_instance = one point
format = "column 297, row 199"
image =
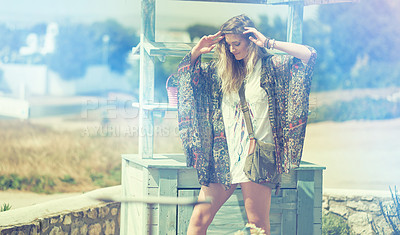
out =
column 257, row 201
column 203, row 214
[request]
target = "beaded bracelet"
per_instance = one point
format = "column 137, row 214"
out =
column 266, row 41
column 273, row 44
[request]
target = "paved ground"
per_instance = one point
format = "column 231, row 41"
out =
column 357, row 154
column 17, row 199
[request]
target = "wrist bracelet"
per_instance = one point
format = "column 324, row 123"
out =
column 266, row 41
column 273, row 44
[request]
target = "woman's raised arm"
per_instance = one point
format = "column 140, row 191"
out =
column 293, row 49
column 205, row 45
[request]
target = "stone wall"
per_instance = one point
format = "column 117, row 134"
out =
column 102, row 219
column 84, row 215
column 360, row 209
column 81, row 214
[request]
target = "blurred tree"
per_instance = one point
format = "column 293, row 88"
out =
column 199, row 30
column 11, row 40
column 74, row 49
column 352, row 39
column 78, row 46
column 121, row 41
column 276, row 29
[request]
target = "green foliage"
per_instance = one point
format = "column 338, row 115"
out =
column 97, row 179
column 115, row 174
column 112, row 177
column 392, row 212
column 5, row 207
column 357, row 109
column 199, row 30
column 334, row 225
column 68, row 179
column 38, row 184
column 42, row 184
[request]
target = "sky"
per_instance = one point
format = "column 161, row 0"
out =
column 169, row 13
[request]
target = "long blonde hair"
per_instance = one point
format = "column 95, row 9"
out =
column 231, row 71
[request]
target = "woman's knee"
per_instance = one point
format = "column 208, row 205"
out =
column 200, row 220
column 202, row 216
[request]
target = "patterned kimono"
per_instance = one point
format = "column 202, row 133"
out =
column 287, row 82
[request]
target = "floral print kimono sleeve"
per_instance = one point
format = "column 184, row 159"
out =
column 195, row 128
column 289, row 80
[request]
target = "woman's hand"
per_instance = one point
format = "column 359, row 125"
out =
column 294, row 49
column 259, row 39
column 205, row 45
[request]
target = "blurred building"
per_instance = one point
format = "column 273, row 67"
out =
column 39, row 80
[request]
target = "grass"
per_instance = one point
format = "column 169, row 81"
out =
column 334, row 225
column 44, row 159
column 5, row 207
column 391, row 213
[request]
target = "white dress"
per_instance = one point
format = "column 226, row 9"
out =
column 235, row 128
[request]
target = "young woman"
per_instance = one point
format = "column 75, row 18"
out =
column 212, row 126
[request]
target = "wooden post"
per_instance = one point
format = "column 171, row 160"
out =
column 167, row 213
column 146, row 84
column 305, row 203
column 295, row 22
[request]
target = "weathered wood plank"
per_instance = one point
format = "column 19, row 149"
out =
column 185, row 212
column 317, row 229
column 162, row 161
column 318, row 178
column 187, row 178
column 125, row 192
column 317, row 197
column 231, row 217
column 288, row 222
column 232, row 1
column 154, row 178
column 134, row 215
column 168, row 186
column 305, row 211
column 295, row 23
column 148, row 24
column 278, row 2
column 289, row 180
column 146, row 95
column 146, row 84
column 288, row 219
column 155, row 216
column 320, row 2
column 306, row 166
column 317, row 215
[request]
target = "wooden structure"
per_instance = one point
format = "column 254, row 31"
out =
column 297, row 208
